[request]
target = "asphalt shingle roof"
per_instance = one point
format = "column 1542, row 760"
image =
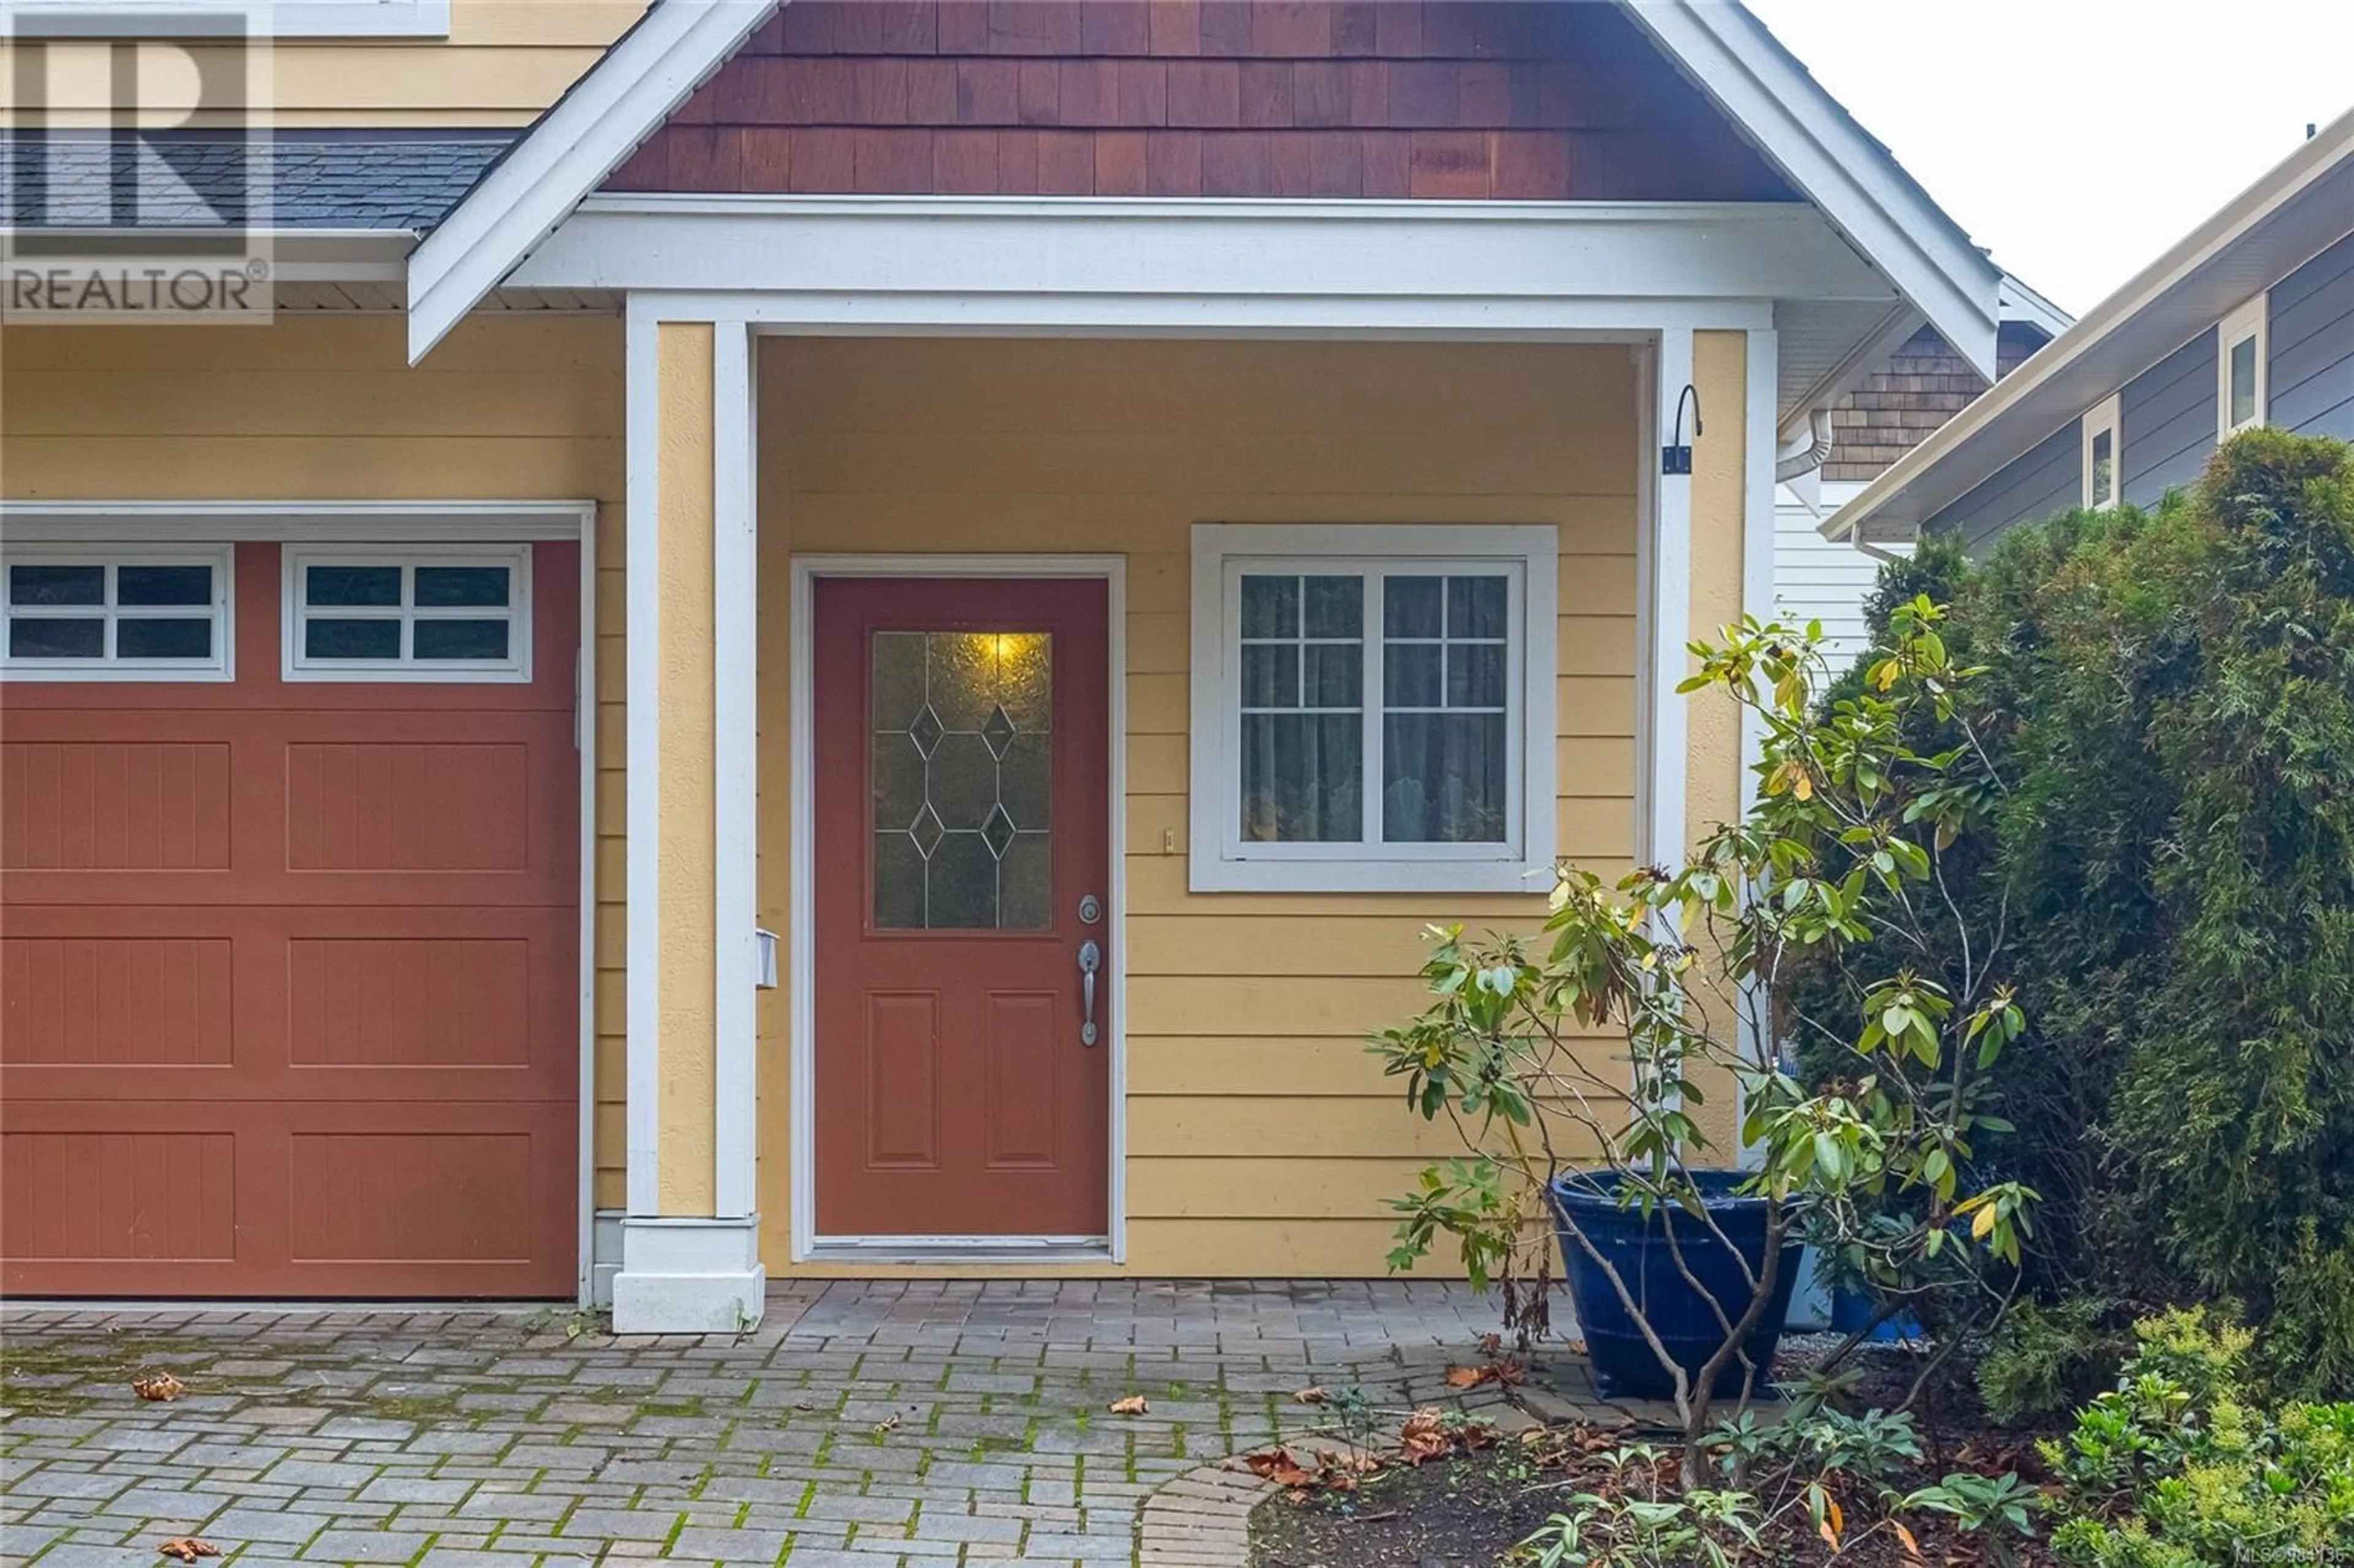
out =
column 383, row 180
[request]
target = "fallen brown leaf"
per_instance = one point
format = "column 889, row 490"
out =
column 187, row 1548
column 1424, row 1436
column 1911, row 1547
column 1310, row 1396
column 1491, row 1345
column 160, row 1386
column 1511, row 1375
column 1133, row 1404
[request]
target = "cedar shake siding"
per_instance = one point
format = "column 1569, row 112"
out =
column 1452, row 99
column 1923, row 385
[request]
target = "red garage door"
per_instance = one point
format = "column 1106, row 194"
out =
column 288, row 960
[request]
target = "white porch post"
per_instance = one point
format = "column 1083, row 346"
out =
column 690, row 1243
column 1664, row 579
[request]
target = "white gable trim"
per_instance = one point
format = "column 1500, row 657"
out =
column 1734, row 60
column 624, row 98
column 1835, row 163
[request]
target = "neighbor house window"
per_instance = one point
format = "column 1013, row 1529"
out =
column 2240, row 369
column 121, row 612
column 1372, row 708
column 450, row 612
column 2104, row 451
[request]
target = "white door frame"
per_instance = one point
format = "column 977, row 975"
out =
column 398, row 523
column 807, row 1244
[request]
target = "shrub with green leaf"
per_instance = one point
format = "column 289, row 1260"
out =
column 1680, row 968
column 2176, row 1468
column 2045, row 1359
column 2168, row 703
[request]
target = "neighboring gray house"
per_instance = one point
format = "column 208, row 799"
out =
column 2249, row 320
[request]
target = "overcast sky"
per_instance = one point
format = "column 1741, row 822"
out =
column 2077, row 138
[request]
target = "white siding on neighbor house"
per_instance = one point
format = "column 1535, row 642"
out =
column 1815, row 579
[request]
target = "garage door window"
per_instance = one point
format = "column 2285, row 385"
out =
column 121, row 615
column 452, row 614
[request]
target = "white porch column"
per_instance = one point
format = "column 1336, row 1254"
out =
column 690, row 1243
column 1663, row 575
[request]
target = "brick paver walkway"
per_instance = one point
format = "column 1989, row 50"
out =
column 859, row 1426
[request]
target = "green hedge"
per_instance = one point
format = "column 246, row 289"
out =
column 2172, row 698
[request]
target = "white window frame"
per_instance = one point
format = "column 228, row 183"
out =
column 259, row 18
column 221, row 666
column 2250, row 323
column 513, row 669
column 2104, row 416
column 1221, row 860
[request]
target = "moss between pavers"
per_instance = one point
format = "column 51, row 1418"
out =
column 41, row 1378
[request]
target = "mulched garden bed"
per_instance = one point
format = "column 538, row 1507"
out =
column 1469, row 1504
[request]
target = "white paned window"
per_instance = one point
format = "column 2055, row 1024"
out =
column 447, row 612
column 1373, row 708
column 2104, row 451
column 2240, row 368
column 120, row 613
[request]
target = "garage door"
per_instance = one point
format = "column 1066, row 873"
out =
column 289, row 921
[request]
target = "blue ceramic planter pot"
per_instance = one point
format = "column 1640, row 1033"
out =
column 1637, row 1247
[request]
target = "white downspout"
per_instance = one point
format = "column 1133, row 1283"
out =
column 1807, row 454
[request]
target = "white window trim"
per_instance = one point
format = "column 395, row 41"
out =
column 259, row 18
column 2102, row 416
column 1221, row 861
column 2252, row 320
column 221, row 666
column 515, row 670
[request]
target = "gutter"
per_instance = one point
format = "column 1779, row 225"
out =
column 2182, row 267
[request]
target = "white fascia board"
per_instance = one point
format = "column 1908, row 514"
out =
column 589, row 133
column 983, row 251
column 1820, row 149
column 2293, row 213
column 2022, row 303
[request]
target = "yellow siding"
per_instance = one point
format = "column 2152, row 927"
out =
column 505, row 409
column 503, row 63
column 1714, row 787
column 1262, row 1139
column 688, row 1032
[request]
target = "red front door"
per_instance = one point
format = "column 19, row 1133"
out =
column 963, row 887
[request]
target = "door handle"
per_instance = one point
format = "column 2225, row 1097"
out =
column 1090, row 960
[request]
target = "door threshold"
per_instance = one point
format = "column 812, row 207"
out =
column 906, row 1250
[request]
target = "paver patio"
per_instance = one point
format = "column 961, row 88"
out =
column 861, row 1426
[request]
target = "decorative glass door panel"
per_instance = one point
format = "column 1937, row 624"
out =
column 963, row 788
